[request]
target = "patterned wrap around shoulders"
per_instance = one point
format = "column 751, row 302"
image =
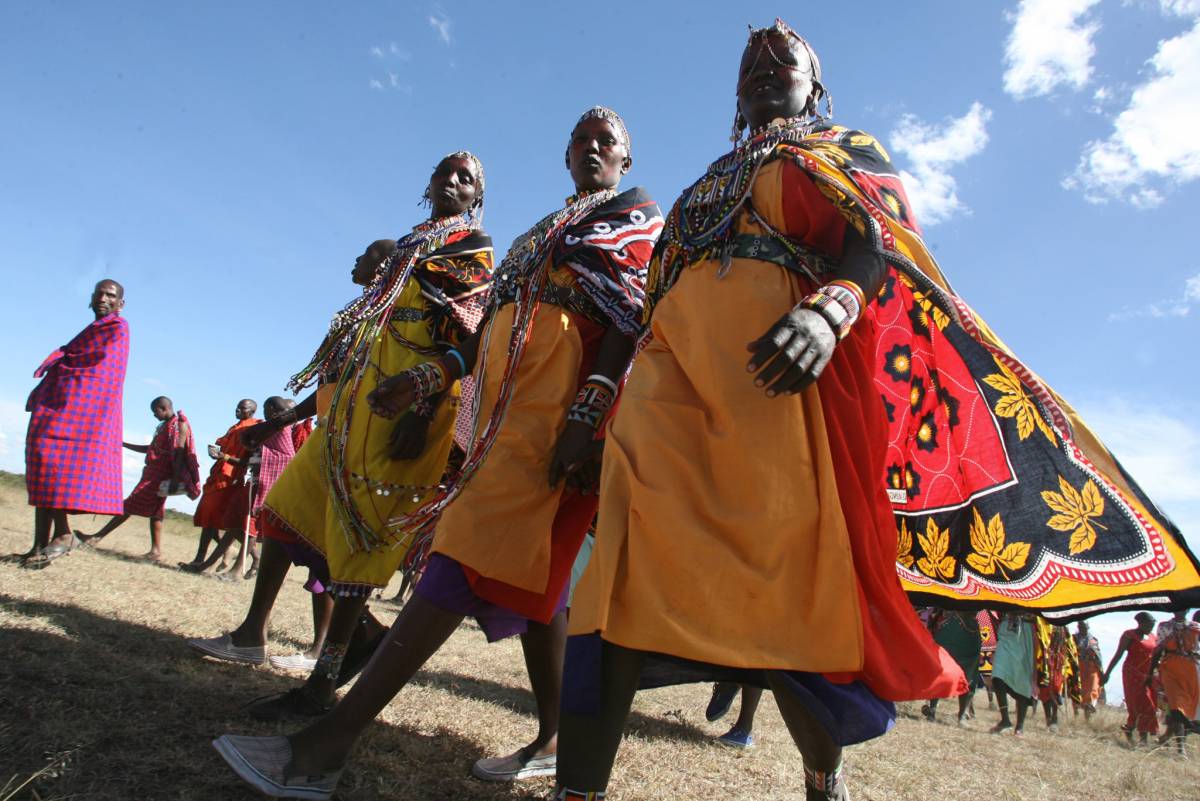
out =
column 1002, row 496
column 427, row 297
column 73, row 444
column 588, row 258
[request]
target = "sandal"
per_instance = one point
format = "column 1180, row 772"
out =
column 45, row 556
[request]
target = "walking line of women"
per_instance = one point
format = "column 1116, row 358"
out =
column 796, row 345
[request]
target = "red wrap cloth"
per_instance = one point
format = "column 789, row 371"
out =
column 73, row 444
column 173, row 435
column 224, row 482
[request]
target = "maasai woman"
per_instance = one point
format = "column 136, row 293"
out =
column 1175, row 658
column 338, row 498
column 958, row 633
column 1136, row 677
column 719, row 471
column 171, row 469
column 1012, row 669
column 1091, row 667
column 246, row 644
column 547, row 366
column 1057, row 666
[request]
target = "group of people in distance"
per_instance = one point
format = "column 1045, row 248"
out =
column 672, row 431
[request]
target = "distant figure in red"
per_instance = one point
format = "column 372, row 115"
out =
column 1139, row 698
column 171, row 469
column 224, row 504
column 73, row 445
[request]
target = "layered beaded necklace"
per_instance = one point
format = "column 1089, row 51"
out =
column 701, row 223
column 518, row 280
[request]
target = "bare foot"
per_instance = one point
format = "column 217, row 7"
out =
column 152, row 556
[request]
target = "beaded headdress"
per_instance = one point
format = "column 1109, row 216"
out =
column 613, row 119
column 819, row 91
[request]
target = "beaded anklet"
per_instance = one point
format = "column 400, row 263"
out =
column 329, row 663
column 566, row 794
column 830, row 782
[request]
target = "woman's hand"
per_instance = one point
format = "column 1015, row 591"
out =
column 393, row 395
column 577, row 458
column 792, row 354
column 409, row 436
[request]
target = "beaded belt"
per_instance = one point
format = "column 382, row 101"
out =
column 408, row 314
column 573, row 300
column 767, row 248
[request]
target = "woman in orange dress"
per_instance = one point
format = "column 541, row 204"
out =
column 1175, row 657
column 1136, row 677
column 728, row 465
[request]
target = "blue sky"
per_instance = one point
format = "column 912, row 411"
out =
column 227, row 163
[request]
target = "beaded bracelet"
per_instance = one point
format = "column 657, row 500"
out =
column 839, row 303
column 429, row 378
column 462, row 364
column 591, row 404
column 424, row 408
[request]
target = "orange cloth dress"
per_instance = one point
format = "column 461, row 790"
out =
column 1177, row 668
column 751, row 532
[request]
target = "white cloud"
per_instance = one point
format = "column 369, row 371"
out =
column 1170, row 307
column 932, row 152
column 441, row 23
column 1153, row 139
column 390, row 50
column 1159, row 448
column 1050, row 46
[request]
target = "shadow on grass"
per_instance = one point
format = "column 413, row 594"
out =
column 130, row 712
column 520, row 699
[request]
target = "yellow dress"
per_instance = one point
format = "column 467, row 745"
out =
column 721, row 537
column 380, row 487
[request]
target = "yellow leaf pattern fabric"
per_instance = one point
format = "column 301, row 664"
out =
column 936, row 563
column 904, row 544
column 991, row 551
column 1075, row 511
column 1017, row 404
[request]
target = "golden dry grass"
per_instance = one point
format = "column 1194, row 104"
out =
column 99, row 688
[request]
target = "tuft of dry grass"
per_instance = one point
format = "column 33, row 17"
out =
column 102, row 700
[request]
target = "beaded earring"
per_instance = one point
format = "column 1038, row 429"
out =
column 739, row 125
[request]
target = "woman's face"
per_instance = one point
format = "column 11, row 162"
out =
column 453, row 187
column 774, row 80
column 596, row 155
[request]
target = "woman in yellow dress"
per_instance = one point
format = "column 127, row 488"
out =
column 359, row 471
column 548, row 363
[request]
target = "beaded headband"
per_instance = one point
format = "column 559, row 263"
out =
column 613, row 119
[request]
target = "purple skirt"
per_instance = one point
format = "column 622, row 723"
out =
column 303, row 555
column 445, row 586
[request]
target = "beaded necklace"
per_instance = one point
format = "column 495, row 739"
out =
column 518, row 280
column 701, row 221
column 354, row 331
column 379, row 295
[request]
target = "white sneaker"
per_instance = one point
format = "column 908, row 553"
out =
column 293, row 662
column 514, row 767
column 223, row 648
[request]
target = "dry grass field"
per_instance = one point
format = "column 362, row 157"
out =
column 102, row 700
